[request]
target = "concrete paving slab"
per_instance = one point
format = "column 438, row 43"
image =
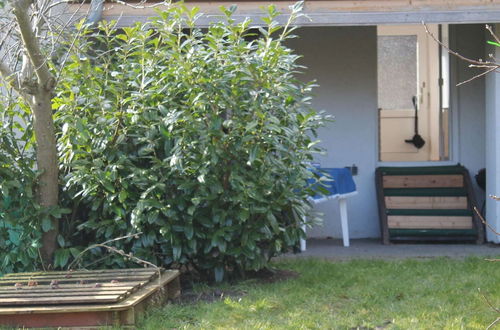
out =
column 374, row 249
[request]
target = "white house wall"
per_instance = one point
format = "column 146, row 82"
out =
column 343, row 62
column 493, row 146
column 468, row 100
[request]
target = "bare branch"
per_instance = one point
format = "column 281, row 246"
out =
column 120, row 252
column 493, row 323
column 477, row 62
column 490, row 66
column 31, row 43
column 497, row 198
column 105, row 245
column 141, row 4
column 490, row 30
column 488, row 302
column 477, row 76
column 55, row 4
column 485, row 222
column 78, row 34
column 9, row 77
column 8, row 30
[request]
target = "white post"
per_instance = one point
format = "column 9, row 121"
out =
column 303, row 240
column 343, row 221
column 493, row 146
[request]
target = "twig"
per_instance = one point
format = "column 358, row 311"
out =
column 495, row 309
column 103, row 245
column 457, row 54
column 120, row 252
column 96, row 261
column 8, row 75
column 490, row 30
column 141, row 4
column 478, row 75
column 491, row 66
column 493, row 323
column 488, row 301
column 485, row 222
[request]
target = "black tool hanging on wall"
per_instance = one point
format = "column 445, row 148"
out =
column 416, row 140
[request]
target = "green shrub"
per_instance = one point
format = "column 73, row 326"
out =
column 20, row 215
column 200, row 139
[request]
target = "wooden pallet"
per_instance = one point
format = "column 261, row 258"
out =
column 83, row 298
column 427, row 203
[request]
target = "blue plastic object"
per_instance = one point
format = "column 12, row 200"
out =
column 337, row 182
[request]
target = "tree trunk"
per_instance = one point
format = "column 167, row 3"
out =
column 47, row 163
column 39, row 96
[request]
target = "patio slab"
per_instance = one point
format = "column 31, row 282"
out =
column 374, row 249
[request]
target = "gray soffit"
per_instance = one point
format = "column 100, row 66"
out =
column 327, row 12
column 347, row 19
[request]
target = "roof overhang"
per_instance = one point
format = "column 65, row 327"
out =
column 323, row 12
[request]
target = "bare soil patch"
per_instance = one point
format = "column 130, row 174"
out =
column 265, row 276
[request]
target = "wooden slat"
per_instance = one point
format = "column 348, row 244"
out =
column 440, row 234
column 426, row 202
column 92, row 272
column 55, row 294
column 69, row 283
column 429, row 222
column 67, row 287
column 445, row 192
column 75, row 287
column 8, row 280
column 423, row 181
column 81, row 291
column 79, row 276
column 59, row 300
column 431, row 213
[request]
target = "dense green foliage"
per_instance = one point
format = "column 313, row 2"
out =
column 198, row 139
column 20, row 218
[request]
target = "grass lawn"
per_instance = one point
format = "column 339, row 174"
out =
column 409, row 294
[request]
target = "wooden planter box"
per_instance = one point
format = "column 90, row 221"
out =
column 83, row 298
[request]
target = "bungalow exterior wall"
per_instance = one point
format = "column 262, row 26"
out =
column 343, row 61
column 338, row 44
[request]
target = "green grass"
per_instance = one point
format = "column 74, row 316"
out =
column 410, row 294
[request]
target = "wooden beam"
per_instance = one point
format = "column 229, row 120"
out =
column 325, row 12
